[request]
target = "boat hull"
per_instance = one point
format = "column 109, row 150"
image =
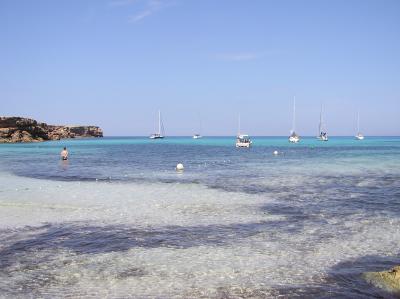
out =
column 322, row 138
column 243, row 144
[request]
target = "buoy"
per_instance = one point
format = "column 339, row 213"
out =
column 276, row 152
column 179, row 167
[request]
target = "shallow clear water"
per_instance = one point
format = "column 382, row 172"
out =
column 117, row 220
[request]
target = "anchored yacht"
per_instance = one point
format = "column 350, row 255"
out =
column 160, row 133
column 323, row 135
column 242, row 140
column 359, row 135
column 294, row 138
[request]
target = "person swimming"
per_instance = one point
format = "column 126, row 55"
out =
column 64, row 154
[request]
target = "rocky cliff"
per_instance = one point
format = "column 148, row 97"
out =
column 60, row 132
column 19, row 129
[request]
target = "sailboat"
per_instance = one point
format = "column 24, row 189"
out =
column 160, row 133
column 359, row 135
column 294, row 138
column 242, row 140
column 323, row 136
column 198, row 135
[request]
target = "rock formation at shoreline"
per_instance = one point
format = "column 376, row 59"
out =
column 387, row 280
column 61, row 132
column 19, row 129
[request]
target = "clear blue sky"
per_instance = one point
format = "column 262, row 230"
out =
column 114, row 63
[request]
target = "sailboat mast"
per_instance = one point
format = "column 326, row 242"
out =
column 358, row 121
column 200, row 126
column 294, row 115
column 159, row 122
column 239, row 126
column 320, row 121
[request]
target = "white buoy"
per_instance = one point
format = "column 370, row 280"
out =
column 179, row 167
column 276, row 153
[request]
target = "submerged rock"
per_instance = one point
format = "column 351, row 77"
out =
column 387, row 280
column 19, row 129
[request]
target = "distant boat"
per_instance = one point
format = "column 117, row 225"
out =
column 242, row 140
column 198, row 135
column 359, row 135
column 160, row 133
column 323, row 135
column 294, row 138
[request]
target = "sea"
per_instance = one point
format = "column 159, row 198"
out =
column 118, row 221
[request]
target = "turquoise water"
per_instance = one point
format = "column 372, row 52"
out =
column 117, row 220
column 141, row 158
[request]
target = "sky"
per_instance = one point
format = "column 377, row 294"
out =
column 114, row 63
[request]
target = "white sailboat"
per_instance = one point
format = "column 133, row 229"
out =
column 322, row 134
column 242, row 140
column 294, row 138
column 198, row 135
column 359, row 135
column 160, row 133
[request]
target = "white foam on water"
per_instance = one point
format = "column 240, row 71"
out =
column 234, row 262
